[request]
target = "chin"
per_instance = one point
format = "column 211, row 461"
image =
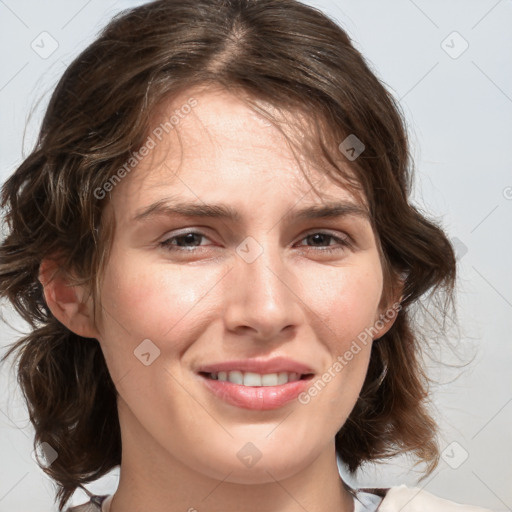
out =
column 248, row 465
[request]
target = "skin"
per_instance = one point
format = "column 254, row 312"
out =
column 206, row 304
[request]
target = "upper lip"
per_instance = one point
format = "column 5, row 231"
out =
column 262, row 366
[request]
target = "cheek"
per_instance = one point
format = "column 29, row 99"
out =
column 346, row 300
column 153, row 301
column 349, row 308
column 147, row 298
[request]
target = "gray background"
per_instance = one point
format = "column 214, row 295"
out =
column 459, row 109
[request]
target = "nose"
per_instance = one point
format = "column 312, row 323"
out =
column 264, row 297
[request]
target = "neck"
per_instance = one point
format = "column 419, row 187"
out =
column 152, row 479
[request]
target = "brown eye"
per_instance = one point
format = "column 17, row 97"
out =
column 184, row 241
column 318, row 239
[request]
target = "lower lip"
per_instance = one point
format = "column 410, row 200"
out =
column 259, row 398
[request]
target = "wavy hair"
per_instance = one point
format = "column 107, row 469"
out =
column 280, row 53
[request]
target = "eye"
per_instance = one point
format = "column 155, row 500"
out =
column 321, row 237
column 182, row 241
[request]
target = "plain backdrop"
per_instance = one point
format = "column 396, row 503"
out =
column 449, row 63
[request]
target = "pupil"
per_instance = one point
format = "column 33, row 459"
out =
column 188, row 238
column 317, row 236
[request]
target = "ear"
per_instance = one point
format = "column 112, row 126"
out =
column 388, row 313
column 385, row 320
column 65, row 301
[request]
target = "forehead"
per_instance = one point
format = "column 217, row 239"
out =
column 209, row 145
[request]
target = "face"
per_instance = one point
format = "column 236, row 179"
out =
column 186, row 291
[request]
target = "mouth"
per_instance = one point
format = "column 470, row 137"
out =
column 252, row 379
column 253, row 391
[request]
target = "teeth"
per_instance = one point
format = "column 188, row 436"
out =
column 252, row 379
column 256, row 379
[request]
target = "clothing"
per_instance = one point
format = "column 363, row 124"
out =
column 394, row 499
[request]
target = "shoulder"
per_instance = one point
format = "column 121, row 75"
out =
column 413, row 499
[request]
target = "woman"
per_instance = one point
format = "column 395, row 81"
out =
column 228, row 374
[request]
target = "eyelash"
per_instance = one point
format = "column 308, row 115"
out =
column 343, row 242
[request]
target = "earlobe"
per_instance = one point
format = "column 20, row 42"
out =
column 66, row 302
column 386, row 320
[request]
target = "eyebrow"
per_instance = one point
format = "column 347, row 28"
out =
column 169, row 207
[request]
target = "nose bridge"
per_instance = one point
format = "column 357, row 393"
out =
column 263, row 298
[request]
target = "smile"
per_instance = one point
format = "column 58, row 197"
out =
column 249, row 392
column 256, row 379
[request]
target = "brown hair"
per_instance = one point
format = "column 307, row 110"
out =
column 281, row 52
